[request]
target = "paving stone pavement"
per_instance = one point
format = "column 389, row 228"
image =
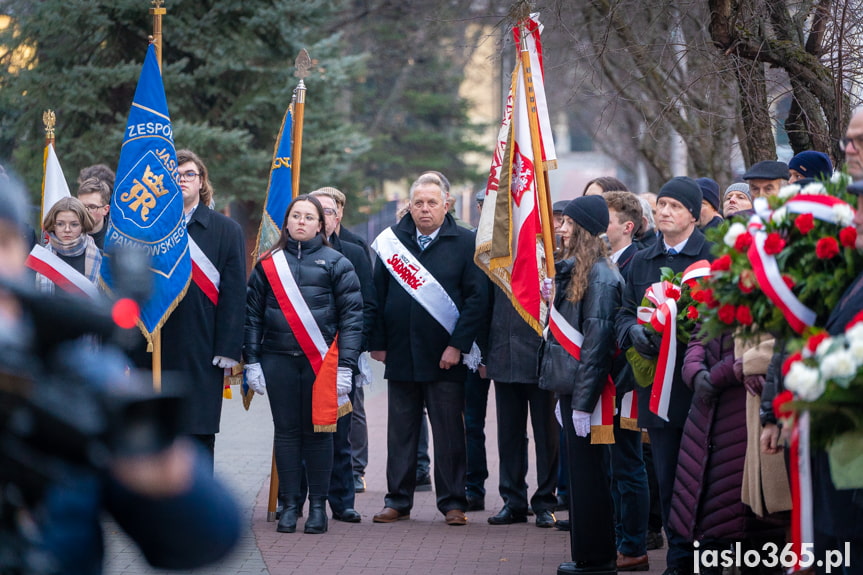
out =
column 424, row 544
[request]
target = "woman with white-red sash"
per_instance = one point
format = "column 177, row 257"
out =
column 68, row 224
column 303, row 336
column 576, row 364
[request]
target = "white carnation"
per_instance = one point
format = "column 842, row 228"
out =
column 814, row 189
column 732, row 234
column 841, row 178
column 824, row 347
column 779, row 216
column 855, row 332
column 856, row 350
column 839, row 364
column 788, row 191
column 844, row 214
column 804, row 381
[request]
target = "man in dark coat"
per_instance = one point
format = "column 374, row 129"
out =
column 425, row 358
column 200, row 338
column 678, row 209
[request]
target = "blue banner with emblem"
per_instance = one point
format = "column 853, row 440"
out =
column 279, row 189
column 147, row 204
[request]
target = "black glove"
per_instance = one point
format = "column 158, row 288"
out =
column 643, row 342
column 703, row 389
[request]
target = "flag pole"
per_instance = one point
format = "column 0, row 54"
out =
column 157, row 11
column 49, row 120
column 542, row 181
column 302, row 64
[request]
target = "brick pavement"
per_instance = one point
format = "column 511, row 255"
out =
column 422, row 545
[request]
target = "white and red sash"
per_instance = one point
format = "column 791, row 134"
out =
column 602, row 416
column 324, row 360
column 64, row 276
column 204, row 273
column 802, row 526
column 629, row 411
column 663, row 318
column 421, row 285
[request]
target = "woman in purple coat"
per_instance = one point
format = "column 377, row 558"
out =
column 706, row 506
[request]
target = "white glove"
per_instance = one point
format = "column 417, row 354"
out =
column 546, row 289
column 581, row 423
column 224, row 362
column 255, row 378
column 344, row 380
column 557, row 415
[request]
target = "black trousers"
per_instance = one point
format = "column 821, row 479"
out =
column 591, row 508
column 514, row 401
column 289, row 387
column 444, row 401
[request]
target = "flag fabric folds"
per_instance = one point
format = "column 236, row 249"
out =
column 279, row 188
column 147, row 204
column 509, row 247
column 54, row 186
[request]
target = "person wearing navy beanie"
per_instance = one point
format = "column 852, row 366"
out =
column 711, row 208
column 810, row 164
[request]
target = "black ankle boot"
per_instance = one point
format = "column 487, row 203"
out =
column 288, row 520
column 317, row 521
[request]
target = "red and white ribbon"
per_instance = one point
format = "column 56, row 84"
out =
column 204, row 273
column 663, row 318
column 629, row 411
column 821, row 207
column 802, row 527
column 64, row 276
column 698, row 270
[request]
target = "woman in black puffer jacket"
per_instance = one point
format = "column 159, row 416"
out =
column 279, row 349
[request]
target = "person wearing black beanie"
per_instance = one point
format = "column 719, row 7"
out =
column 684, row 190
column 590, row 212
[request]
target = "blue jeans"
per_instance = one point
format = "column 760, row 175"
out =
column 630, row 492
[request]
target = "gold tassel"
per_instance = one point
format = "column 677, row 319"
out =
column 227, row 393
column 601, row 434
column 325, row 429
column 345, row 409
column 629, row 423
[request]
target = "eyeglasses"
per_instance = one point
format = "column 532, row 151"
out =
column 92, row 208
column 189, row 176
column 329, row 212
column 856, row 140
column 308, row 217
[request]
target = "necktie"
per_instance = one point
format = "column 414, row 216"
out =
column 672, row 252
column 424, row 241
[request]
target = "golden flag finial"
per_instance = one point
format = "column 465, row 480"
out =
column 49, row 119
column 302, row 64
column 157, row 3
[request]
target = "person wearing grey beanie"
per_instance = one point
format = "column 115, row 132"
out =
column 737, row 198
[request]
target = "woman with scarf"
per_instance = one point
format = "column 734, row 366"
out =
column 303, row 337
column 68, row 224
column 576, row 365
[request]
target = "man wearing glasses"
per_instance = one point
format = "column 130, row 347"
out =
column 96, row 197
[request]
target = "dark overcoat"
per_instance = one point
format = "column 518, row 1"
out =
column 513, row 345
column 413, row 339
column 644, row 270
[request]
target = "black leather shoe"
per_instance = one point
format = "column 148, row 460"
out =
column 475, row 504
column 545, row 519
column 317, row 521
column 608, row 568
column 507, row 516
column 562, row 524
column 348, row 516
column 562, row 503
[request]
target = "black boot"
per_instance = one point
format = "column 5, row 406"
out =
column 288, row 519
column 317, row 521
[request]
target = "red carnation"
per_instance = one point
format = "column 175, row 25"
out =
column 827, row 248
column 692, row 312
column 786, row 365
column 848, row 236
column 673, row 293
column 709, row 299
column 722, row 264
column 726, row 313
column 789, row 281
column 743, row 241
column 779, row 403
column 773, row 244
column 698, row 294
column 805, row 223
column 814, row 341
column 744, row 315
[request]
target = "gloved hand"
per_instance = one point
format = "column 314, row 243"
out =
column 557, row 415
column 643, row 342
column 738, row 369
column 754, row 384
column 581, row 423
column 703, row 389
column 546, row 290
column 224, row 362
column 343, row 381
column 255, row 378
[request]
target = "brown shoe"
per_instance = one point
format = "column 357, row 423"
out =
column 627, row 563
column 455, row 517
column 389, row 515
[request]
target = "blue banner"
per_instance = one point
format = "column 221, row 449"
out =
column 147, row 204
column 279, row 189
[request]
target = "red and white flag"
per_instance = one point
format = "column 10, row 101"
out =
column 509, row 246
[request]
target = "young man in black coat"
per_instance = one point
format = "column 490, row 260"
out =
column 423, row 358
column 678, row 208
column 200, row 338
